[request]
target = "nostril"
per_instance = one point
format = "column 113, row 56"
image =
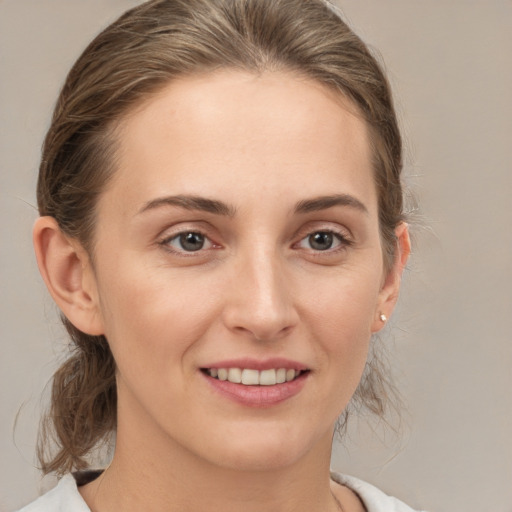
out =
column 261, row 334
column 259, row 306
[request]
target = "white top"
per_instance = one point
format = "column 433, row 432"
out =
column 66, row 498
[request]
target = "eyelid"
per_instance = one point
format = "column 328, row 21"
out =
column 208, row 244
column 342, row 235
column 182, row 228
column 341, row 241
column 325, row 227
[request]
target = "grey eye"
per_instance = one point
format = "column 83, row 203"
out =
column 189, row 241
column 321, row 241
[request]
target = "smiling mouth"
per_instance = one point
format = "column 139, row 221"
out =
column 250, row 377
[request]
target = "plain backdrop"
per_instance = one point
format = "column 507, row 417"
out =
column 450, row 65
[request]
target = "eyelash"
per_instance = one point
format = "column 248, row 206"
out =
column 342, row 240
column 166, row 242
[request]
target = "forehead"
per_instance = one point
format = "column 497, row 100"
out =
column 241, row 132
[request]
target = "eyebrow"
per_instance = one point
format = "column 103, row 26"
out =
column 191, row 203
column 220, row 208
column 325, row 202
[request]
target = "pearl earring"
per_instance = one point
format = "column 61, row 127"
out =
column 383, row 317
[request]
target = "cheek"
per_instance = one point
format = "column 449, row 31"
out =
column 341, row 315
column 343, row 305
column 152, row 319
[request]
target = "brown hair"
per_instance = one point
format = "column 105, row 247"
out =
column 142, row 51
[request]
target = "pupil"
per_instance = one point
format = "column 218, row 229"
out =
column 192, row 241
column 321, row 241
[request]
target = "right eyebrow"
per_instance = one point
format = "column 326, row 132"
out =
column 191, row 203
column 326, row 202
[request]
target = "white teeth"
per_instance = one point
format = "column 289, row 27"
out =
column 267, row 378
column 250, row 377
column 281, row 375
column 235, row 375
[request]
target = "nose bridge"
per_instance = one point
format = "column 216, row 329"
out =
column 260, row 303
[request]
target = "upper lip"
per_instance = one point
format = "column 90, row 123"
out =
column 258, row 364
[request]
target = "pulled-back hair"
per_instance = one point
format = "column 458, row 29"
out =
column 136, row 56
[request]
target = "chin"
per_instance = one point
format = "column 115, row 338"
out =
column 266, row 450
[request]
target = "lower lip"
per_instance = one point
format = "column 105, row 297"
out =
column 258, row 396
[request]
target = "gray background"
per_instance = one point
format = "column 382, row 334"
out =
column 451, row 68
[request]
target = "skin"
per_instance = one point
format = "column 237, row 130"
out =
column 262, row 146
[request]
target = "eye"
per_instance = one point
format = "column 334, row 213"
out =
column 188, row 241
column 322, row 241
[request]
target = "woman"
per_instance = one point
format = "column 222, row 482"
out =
column 222, row 228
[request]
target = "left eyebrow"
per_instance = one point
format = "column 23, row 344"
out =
column 324, row 202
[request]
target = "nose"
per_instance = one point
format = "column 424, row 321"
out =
column 260, row 300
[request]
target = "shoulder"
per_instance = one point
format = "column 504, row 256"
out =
column 373, row 499
column 62, row 498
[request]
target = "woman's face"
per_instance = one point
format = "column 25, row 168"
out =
column 239, row 239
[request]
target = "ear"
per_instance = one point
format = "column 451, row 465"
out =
column 66, row 269
column 388, row 294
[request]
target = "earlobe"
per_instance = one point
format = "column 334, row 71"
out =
column 388, row 294
column 66, row 270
